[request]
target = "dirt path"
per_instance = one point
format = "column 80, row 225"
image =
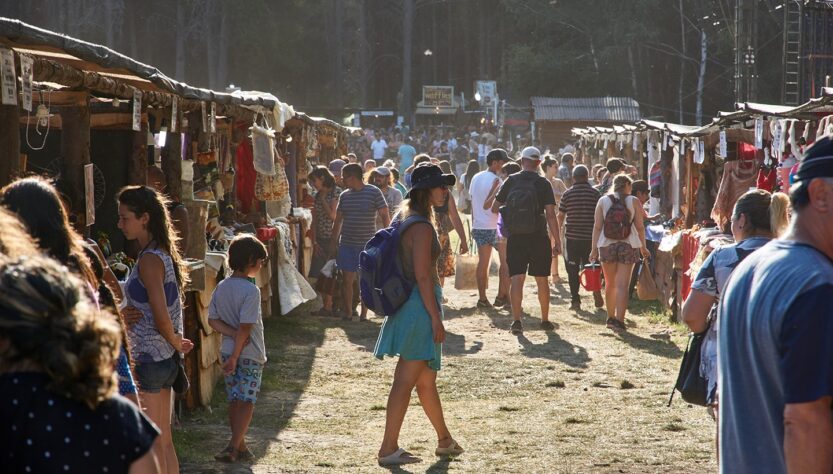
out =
column 581, row 399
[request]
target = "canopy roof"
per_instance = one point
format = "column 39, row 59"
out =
column 591, row 109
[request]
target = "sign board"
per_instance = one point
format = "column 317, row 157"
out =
column 27, row 65
column 89, row 193
column 759, row 133
column 375, row 113
column 487, row 90
column 724, row 146
column 174, row 114
column 438, row 96
column 137, row 110
column 8, row 78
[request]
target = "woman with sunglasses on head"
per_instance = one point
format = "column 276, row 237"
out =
column 416, row 333
column 154, row 312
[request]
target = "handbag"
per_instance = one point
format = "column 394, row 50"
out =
column 181, row 383
column 646, row 286
column 465, row 271
column 693, row 387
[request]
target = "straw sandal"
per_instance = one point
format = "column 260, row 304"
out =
column 398, row 457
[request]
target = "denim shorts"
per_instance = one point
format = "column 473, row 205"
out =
column 244, row 384
column 348, row 258
column 484, row 237
column 152, row 377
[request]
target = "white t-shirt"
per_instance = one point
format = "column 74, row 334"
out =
column 634, row 206
column 479, row 189
column 378, row 147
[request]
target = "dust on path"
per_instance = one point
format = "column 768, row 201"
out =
column 580, row 399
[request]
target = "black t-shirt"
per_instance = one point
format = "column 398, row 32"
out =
column 543, row 190
column 45, row 432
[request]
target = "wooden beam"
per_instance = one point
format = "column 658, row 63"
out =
column 172, row 165
column 112, row 120
column 9, row 143
column 75, row 152
column 138, row 163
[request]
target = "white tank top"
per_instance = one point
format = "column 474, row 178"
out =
column 633, row 204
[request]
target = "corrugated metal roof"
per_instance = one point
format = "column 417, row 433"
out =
column 595, row 109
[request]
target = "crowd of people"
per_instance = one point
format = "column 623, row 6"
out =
column 89, row 365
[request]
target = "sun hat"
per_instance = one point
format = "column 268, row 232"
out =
column 428, row 175
column 531, row 153
column 497, row 154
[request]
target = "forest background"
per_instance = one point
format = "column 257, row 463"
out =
column 675, row 57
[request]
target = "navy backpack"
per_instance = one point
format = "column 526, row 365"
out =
column 382, row 283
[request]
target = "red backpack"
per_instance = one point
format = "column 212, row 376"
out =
column 617, row 224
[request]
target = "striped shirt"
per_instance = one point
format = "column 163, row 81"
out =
column 358, row 210
column 579, row 204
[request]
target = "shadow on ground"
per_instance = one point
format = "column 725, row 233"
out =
column 291, row 343
column 556, row 349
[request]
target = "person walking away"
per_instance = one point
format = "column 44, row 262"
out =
column 415, row 332
column 527, row 206
column 381, row 178
column 508, row 169
column 614, row 167
column 335, row 169
column 484, row 223
column 396, row 183
column 565, row 170
column 618, row 242
column 155, row 178
column 61, row 412
column 460, row 156
column 775, row 374
column 558, row 188
column 234, row 312
column 323, row 214
column 421, row 158
column 378, row 148
column 448, row 219
column 406, row 153
column 576, row 215
column 751, row 231
column 354, row 225
column 153, row 294
column 641, row 191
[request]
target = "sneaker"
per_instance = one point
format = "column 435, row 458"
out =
column 598, row 300
column 547, row 326
column 575, row 306
column 517, row 327
column 245, row 456
column 484, row 304
column 500, row 302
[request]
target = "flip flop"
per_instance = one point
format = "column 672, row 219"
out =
column 453, row 449
column 400, row 456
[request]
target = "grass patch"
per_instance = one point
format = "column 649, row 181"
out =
column 556, row 384
column 574, row 421
column 325, row 464
column 377, row 408
column 626, row 385
column 506, row 408
column 673, row 427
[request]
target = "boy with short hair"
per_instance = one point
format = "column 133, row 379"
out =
column 235, row 313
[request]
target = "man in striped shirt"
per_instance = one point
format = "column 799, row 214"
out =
column 576, row 214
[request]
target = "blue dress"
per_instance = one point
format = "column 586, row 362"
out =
column 408, row 333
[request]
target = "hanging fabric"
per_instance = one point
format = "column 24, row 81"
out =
column 245, row 176
column 263, row 148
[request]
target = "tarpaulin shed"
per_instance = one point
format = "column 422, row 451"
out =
column 555, row 117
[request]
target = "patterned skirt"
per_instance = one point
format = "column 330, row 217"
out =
column 446, row 262
column 619, row 252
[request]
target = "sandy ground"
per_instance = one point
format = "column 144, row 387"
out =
column 580, row 399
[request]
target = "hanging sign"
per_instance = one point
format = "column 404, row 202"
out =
column 26, row 67
column 635, row 141
column 696, row 149
column 438, row 96
column 702, row 145
column 8, row 80
column 759, row 133
column 212, row 120
column 724, row 147
column 174, row 121
column 666, row 140
column 777, row 137
column 204, row 117
column 89, row 193
column 137, row 110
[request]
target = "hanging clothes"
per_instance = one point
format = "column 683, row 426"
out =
column 245, row 176
column 766, row 179
column 738, row 176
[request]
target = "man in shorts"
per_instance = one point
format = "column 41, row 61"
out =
column 529, row 253
column 484, row 221
column 354, row 225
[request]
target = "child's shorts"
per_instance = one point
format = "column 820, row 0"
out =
column 244, row 383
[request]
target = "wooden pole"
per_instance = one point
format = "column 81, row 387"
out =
column 9, row 143
column 138, row 163
column 172, row 165
column 75, row 153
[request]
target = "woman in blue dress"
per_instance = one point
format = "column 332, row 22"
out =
column 416, row 333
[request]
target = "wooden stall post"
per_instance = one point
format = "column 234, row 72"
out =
column 9, row 143
column 172, row 165
column 75, row 153
column 138, row 163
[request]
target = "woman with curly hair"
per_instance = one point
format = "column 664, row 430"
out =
column 60, row 410
column 154, row 311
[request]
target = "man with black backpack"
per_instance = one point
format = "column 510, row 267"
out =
column 527, row 207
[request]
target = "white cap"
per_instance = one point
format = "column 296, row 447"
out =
column 531, row 153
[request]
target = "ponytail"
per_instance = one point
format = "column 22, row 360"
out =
column 779, row 214
column 755, row 205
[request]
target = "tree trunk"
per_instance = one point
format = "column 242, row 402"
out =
column 221, row 78
column 9, row 143
column 634, row 83
column 482, row 36
column 109, row 27
column 364, row 52
column 181, row 31
column 208, row 40
column 682, row 63
column 407, row 57
column 75, row 153
column 434, row 49
column 338, row 47
column 702, row 76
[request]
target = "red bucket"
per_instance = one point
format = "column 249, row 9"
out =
column 591, row 277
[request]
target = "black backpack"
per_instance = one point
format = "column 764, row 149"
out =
column 521, row 211
column 693, row 387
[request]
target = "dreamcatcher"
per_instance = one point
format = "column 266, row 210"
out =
column 100, row 184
